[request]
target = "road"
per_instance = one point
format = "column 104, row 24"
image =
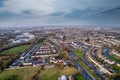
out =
column 98, row 64
column 88, row 63
column 91, row 65
column 85, row 74
column 57, row 49
column 25, row 55
column 31, row 51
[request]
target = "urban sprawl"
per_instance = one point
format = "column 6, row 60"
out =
column 94, row 54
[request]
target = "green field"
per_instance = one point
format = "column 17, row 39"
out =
column 54, row 73
column 79, row 53
column 79, row 77
column 18, row 49
column 88, row 69
column 29, row 72
column 19, row 74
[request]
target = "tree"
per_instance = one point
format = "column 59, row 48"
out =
column 65, row 48
column 87, row 40
column 65, row 55
column 1, row 69
column 64, row 38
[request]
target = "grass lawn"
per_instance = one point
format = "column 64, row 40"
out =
column 116, row 68
column 79, row 53
column 79, row 77
column 54, row 73
column 18, row 74
column 114, row 58
column 18, row 49
column 88, row 69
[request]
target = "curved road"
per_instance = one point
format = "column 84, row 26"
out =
column 86, row 75
column 91, row 65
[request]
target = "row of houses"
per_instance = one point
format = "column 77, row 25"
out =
column 45, row 51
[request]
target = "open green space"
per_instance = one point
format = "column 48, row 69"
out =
column 79, row 77
column 19, row 74
column 18, row 49
column 79, row 53
column 54, row 73
column 117, row 68
column 89, row 70
column 114, row 58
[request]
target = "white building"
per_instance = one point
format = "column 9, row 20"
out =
column 63, row 77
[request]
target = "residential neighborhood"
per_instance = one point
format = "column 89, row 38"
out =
column 59, row 39
column 93, row 55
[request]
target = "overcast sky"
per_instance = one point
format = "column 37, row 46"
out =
column 59, row 12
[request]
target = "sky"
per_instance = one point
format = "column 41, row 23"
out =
column 59, row 12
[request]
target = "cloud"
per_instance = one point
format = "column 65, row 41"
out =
column 69, row 5
column 53, row 11
column 45, row 7
column 35, row 7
